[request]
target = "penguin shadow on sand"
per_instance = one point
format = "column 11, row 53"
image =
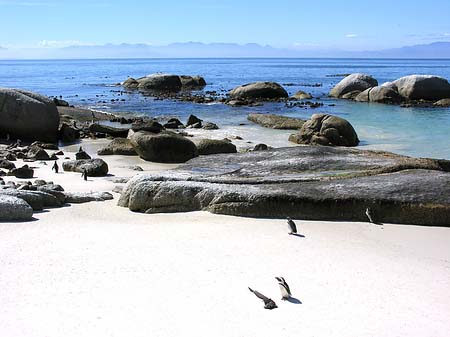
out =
column 294, row 300
column 298, row 235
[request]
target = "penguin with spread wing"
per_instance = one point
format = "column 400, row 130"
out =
column 268, row 303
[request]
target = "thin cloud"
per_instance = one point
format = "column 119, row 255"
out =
column 62, row 43
column 351, row 36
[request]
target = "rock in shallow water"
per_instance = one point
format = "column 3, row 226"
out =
column 276, row 121
column 324, row 129
column 427, row 87
column 259, row 90
column 307, row 182
column 353, row 83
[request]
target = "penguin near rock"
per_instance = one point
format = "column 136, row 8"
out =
column 284, row 288
column 369, row 215
column 292, row 226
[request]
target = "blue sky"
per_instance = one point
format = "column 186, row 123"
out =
column 351, row 25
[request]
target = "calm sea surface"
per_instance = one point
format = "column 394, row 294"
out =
column 90, row 83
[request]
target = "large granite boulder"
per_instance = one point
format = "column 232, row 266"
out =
column 351, row 83
column 163, row 147
column 259, row 90
column 160, row 82
column 94, row 167
column 130, row 83
column 194, row 82
column 426, row 87
column 213, row 146
column 68, row 134
column 276, row 121
column 380, row 94
column 324, row 129
column 28, row 116
column 118, row 146
column 14, row 209
column 304, row 182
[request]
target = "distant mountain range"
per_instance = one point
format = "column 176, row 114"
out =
column 226, row 50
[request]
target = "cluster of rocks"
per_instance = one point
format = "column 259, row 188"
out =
column 18, row 201
column 155, row 142
column 166, row 86
column 410, row 90
column 305, row 182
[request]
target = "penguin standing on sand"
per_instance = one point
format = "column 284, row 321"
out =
column 369, row 215
column 55, row 167
column 292, row 226
column 268, row 303
column 84, row 174
column 284, row 288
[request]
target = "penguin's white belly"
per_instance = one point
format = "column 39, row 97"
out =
column 284, row 293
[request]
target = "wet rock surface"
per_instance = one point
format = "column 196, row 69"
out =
column 306, row 182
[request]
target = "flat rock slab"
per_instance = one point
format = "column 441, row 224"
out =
column 305, row 182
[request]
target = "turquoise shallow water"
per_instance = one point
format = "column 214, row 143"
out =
column 410, row 131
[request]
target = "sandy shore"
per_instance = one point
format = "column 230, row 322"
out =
column 100, row 270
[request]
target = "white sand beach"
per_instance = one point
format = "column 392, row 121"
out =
column 97, row 269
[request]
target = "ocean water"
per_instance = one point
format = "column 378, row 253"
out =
column 412, row 131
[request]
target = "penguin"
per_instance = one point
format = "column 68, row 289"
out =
column 292, row 226
column 268, row 303
column 369, row 214
column 84, row 174
column 284, row 288
column 55, row 167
